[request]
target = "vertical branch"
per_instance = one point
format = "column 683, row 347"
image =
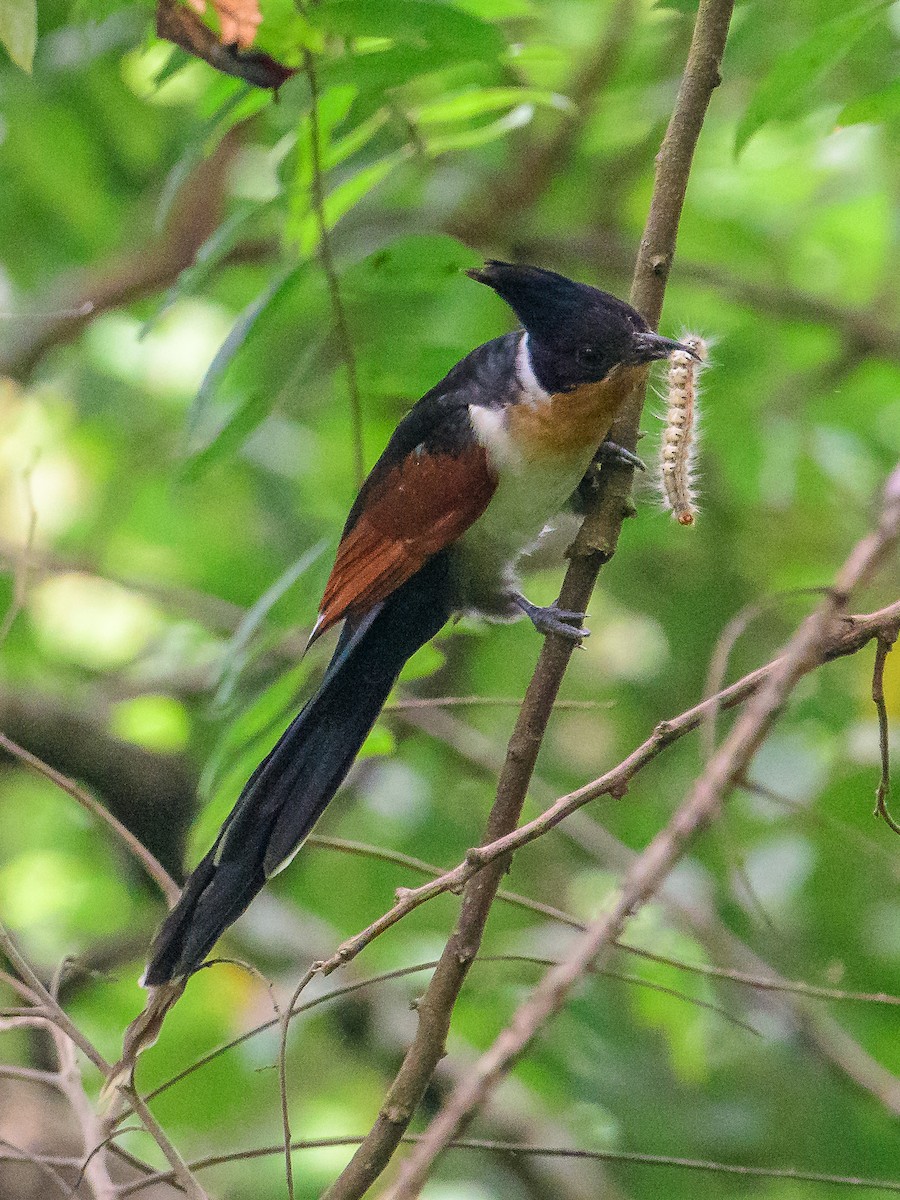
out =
column 883, row 649
column 594, row 546
column 806, row 651
column 334, row 288
column 96, row 1167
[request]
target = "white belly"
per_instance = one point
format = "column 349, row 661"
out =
column 527, row 499
column 529, row 495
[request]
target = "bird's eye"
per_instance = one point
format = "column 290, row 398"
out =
column 587, row 355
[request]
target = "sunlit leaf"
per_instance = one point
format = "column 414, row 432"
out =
column 482, row 134
column 426, row 661
column 477, row 102
column 18, row 30
column 381, row 72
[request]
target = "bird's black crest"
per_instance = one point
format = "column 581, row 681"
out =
column 577, row 333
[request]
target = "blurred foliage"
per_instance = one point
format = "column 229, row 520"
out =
column 179, row 464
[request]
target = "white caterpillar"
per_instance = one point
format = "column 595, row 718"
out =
column 676, row 468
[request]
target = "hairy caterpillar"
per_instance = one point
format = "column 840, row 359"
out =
column 676, row 468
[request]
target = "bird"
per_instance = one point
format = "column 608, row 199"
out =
column 468, row 482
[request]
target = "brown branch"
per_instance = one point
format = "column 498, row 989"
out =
column 96, row 1167
column 518, row 1148
column 806, row 651
column 594, row 546
column 884, row 784
column 821, row 1030
column 853, row 633
column 47, row 1010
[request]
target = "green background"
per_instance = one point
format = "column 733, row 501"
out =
column 186, row 460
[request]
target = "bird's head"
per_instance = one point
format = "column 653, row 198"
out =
column 576, row 333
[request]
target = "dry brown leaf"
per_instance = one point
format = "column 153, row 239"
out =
column 238, row 20
column 180, row 24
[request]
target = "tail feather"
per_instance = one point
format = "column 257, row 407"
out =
column 291, row 787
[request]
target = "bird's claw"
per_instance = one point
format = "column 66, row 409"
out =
column 551, row 618
column 614, row 455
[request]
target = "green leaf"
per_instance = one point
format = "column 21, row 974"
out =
column 305, row 231
column 482, row 134
column 237, row 652
column 208, row 259
column 457, row 33
column 427, row 660
column 383, row 71
column 242, row 744
column 229, row 437
column 333, row 110
column 379, row 743
column 793, row 83
column 265, row 356
column 883, row 105
column 18, row 30
column 477, row 102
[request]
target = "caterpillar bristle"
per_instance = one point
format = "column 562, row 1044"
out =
column 678, row 449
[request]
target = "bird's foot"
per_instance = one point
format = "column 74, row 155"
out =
column 553, row 619
column 614, row 455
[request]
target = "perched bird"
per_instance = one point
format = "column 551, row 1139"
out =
column 467, row 483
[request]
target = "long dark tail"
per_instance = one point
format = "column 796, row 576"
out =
column 291, row 787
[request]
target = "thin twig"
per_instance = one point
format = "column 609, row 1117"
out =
column 818, row 816
column 358, row 985
column 95, row 1169
column 758, row 983
column 50, row 1009
column 51, row 1012
column 135, row 847
column 744, row 978
column 412, row 703
column 806, row 650
column 725, row 643
column 517, row 1148
column 180, row 1170
column 339, row 316
column 882, row 650
column 853, row 633
column 284, row 1021
column 29, row 1075
column 40, row 1161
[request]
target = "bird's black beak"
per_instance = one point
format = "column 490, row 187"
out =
column 648, row 347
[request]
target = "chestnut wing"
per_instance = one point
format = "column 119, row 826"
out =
column 407, row 513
